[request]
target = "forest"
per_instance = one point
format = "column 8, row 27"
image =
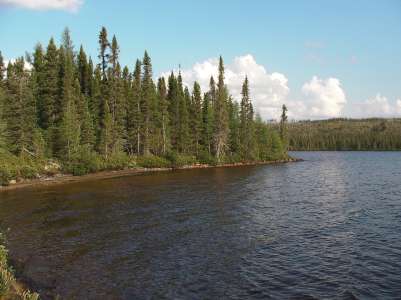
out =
column 345, row 134
column 72, row 114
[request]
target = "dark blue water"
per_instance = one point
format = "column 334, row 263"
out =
column 325, row 228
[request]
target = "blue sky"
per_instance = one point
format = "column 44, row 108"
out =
column 349, row 51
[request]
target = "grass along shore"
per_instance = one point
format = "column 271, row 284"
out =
column 10, row 288
column 55, row 177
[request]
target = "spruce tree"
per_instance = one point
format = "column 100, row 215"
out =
column 184, row 135
column 50, row 87
column 247, row 134
column 164, row 117
column 134, row 112
column 2, row 69
column 283, row 127
column 146, row 99
column 196, row 117
column 84, row 72
column 103, row 55
column 173, row 98
column 2, row 120
column 221, row 128
column 19, row 108
column 69, row 130
column 234, row 126
column 207, row 123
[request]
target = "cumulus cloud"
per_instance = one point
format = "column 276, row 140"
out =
column 325, row 98
column 69, row 5
column 318, row 98
column 268, row 90
column 378, row 106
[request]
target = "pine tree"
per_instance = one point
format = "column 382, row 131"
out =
column 164, row 117
column 66, row 43
column 69, row 130
column 207, row 123
column 173, row 99
column 49, row 89
column 2, row 69
column 19, row 108
column 103, row 55
column 221, row 128
column 134, row 112
column 184, row 135
column 3, row 125
column 146, row 99
column 196, row 117
column 234, row 126
column 84, row 72
column 106, row 132
column 247, row 134
column 283, row 127
column 85, row 119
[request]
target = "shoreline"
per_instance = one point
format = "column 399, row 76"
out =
column 68, row 178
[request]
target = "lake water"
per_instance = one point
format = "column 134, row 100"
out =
column 325, row 228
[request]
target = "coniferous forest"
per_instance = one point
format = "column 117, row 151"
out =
column 82, row 114
column 345, row 134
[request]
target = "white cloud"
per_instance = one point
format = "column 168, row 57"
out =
column 378, row 106
column 319, row 98
column 69, row 5
column 325, row 98
column 268, row 90
column 322, row 98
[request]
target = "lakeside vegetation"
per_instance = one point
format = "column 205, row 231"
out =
column 68, row 114
column 9, row 288
column 373, row 134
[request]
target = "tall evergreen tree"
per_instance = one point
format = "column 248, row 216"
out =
column 134, row 112
column 50, row 87
column 103, row 54
column 221, row 128
column 207, row 123
column 146, row 99
column 247, row 134
column 283, row 126
column 164, row 117
column 19, row 108
column 196, row 117
column 173, row 98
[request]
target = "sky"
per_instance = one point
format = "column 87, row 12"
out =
column 323, row 59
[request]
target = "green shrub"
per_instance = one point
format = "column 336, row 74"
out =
column 206, row 158
column 118, row 161
column 152, row 161
column 83, row 162
column 180, row 160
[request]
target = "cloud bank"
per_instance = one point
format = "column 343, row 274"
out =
column 319, row 98
column 68, row 5
column 322, row 98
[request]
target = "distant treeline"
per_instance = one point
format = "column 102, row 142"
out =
column 345, row 134
column 69, row 108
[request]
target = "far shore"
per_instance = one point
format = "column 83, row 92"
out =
column 67, row 178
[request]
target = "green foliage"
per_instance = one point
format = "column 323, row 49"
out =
column 7, row 279
column 98, row 118
column 207, row 158
column 118, row 161
column 152, row 161
column 14, row 167
column 180, row 160
column 82, row 162
column 345, row 134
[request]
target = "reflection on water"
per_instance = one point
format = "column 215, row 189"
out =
column 326, row 228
